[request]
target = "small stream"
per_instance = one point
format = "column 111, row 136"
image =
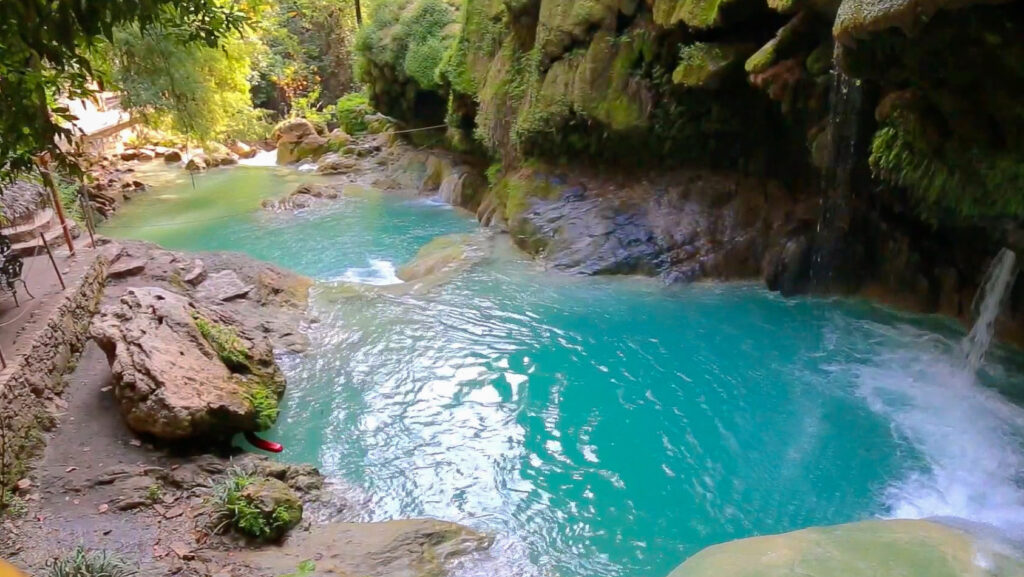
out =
column 604, row 426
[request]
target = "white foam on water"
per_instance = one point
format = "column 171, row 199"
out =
column 971, row 437
column 265, row 158
column 379, row 273
column 307, row 167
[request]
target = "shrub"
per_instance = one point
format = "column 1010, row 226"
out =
column 352, row 110
column 83, row 563
column 232, row 509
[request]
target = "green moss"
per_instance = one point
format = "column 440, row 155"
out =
column 225, row 342
column 697, row 14
column 819, row 61
column 705, row 65
column 787, row 40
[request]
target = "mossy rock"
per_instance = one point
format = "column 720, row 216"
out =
column 859, row 19
column 337, row 140
column 277, row 506
column 866, row 549
column 792, row 36
column 697, row 14
column 706, row 65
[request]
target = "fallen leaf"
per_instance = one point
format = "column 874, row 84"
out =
column 159, row 510
column 75, row 501
column 86, row 450
column 103, row 508
column 70, row 469
column 175, row 512
column 23, row 484
column 135, row 443
column 106, row 389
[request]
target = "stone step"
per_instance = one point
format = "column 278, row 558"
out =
column 54, row 236
column 41, row 220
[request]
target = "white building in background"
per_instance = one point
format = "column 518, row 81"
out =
column 102, row 125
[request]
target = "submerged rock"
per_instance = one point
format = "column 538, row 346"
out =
column 179, row 375
column 443, row 255
column 867, row 549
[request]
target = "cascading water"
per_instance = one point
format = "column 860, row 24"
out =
column 451, row 189
column 988, row 302
column 846, row 106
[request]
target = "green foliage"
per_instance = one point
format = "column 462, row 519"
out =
column 195, row 90
column 308, row 45
column 309, row 107
column 68, row 192
column 225, row 342
column 265, row 403
column 352, row 110
column 409, row 38
column 154, row 493
column 945, row 178
column 84, row 563
column 305, row 569
column 47, row 52
column 250, row 126
column 231, row 509
column 11, row 505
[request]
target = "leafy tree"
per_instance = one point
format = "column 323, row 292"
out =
column 190, row 88
column 46, row 51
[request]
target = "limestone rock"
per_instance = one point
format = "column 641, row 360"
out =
column 197, row 274
column 443, row 254
column 337, row 140
column 241, row 149
column 408, row 548
column 223, row 286
column 223, row 159
column 145, row 155
column 198, row 163
column 315, row 190
column 293, row 129
column 332, row 163
column 126, row 268
column 866, row 549
column 269, row 496
column 168, row 379
column 130, row 154
column 862, row 18
column 313, row 146
column 172, row 156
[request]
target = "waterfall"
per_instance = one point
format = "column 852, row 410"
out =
column 988, row 302
column 844, row 154
column 451, row 189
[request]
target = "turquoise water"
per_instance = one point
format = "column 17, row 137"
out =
column 608, row 426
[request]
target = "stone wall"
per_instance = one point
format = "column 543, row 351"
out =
column 31, row 385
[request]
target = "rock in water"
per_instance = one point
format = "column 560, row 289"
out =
column 170, row 381
column 224, row 286
column 867, row 549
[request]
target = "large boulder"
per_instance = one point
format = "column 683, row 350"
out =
column 337, row 140
column 180, row 374
column 297, row 139
column 867, row 549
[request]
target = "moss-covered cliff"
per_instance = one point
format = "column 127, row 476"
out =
column 901, row 120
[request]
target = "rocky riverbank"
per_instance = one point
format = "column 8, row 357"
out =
column 140, row 463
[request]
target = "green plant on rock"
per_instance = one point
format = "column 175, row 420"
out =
column 305, row 569
column 84, row 563
column 264, row 402
column 11, row 505
column 154, row 493
column 225, row 342
column 233, row 509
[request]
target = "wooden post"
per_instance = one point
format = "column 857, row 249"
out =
column 48, row 181
column 52, row 261
column 87, row 213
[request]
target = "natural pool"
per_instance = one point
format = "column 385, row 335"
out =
column 604, row 426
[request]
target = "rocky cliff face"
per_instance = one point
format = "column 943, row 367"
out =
column 872, row 146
